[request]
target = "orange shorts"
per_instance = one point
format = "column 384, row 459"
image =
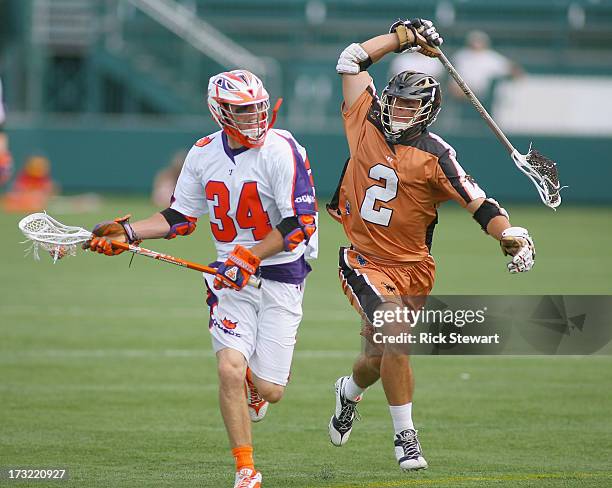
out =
column 368, row 284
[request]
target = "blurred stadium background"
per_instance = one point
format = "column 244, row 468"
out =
column 108, row 371
column 110, row 89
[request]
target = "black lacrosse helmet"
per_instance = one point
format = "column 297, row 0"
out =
column 409, row 85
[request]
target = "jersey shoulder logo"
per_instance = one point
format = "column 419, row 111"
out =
column 202, row 142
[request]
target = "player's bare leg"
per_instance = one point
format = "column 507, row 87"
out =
column 398, row 383
column 366, row 369
column 231, row 367
column 271, row 392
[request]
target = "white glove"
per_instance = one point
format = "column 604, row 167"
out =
column 428, row 31
column 348, row 62
column 517, row 242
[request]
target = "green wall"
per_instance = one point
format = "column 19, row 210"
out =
column 124, row 159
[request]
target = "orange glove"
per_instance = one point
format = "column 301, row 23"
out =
column 105, row 232
column 236, row 271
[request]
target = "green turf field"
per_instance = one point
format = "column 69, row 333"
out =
column 108, row 371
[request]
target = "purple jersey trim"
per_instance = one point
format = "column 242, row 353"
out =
column 229, row 151
column 294, row 272
column 303, row 191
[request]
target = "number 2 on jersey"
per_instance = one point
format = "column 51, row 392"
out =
column 250, row 213
column 375, row 193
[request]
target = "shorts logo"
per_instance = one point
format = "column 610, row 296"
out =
column 347, row 207
column 361, row 260
column 232, row 273
column 226, row 326
column 307, row 198
column 229, row 324
column 390, row 288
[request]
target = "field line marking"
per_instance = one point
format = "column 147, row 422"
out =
column 207, row 353
column 461, row 479
column 148, row 353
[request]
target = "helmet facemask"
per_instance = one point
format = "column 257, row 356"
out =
column 409, row 104
column 246, row 123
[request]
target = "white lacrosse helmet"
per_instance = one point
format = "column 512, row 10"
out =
column 239, row 103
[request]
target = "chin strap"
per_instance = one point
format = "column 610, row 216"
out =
column 275, row 113
column 242, row 139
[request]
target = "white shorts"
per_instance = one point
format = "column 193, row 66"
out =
column 261, row 324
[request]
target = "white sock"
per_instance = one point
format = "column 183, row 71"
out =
column 402, row 417
column 352, row 391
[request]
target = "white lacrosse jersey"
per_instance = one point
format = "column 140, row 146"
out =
column 248, row 191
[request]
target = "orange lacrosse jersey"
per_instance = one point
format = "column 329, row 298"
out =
column 389, row 194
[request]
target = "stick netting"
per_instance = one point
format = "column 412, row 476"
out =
column 59, row 240
column 543, row 172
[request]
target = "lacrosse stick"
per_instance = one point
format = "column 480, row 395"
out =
column 60, row 240
column 538, row 168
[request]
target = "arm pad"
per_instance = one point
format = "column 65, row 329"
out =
column 353, row 60
column 180, row 225
column 296, row 230
column 488, row 210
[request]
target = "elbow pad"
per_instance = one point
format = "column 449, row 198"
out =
column 180, row 225
column 353, row 60
column 488, row 210
column 296, row 230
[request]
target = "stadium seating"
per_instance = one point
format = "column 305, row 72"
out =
column 567, row 36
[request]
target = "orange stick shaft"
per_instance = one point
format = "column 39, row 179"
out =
column 253, row 281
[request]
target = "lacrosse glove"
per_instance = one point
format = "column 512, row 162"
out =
column 426, row 37
column 115, row 230
column 517, row 242
column 237, row 269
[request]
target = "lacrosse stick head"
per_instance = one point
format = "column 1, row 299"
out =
column 59, row 240
column 543, row 172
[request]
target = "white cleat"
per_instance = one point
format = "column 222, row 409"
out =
column 341, row 423
column 408, row 451
column 247, row 478
column 257, row 405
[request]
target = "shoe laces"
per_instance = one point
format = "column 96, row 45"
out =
column 254, row 395
column 348, row 413
column 409, row 443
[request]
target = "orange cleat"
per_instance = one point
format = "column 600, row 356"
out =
column 247, row 478
column 257, row 405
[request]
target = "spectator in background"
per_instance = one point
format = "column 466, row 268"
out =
column 480, row 66
column 165, row 180
column 6, row 161
column 32, row 188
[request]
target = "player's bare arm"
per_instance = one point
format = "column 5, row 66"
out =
column 155, row 227
column 272, row 244
column 165, row 224
column 356, row 58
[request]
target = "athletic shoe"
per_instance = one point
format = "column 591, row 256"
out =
column 247, row 478
column 408, row 451
column 257, row 405
column 341, row 423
